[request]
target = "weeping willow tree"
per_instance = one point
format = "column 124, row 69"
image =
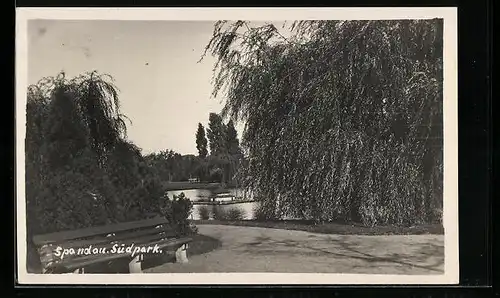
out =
column 343, row 119
column 80, row 169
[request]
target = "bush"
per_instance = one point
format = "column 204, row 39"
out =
column 218, row 213
column 205, row 200
column 261, row 213
column 177, row 211
column 204, row 212
column 229, row 214
column 235, row 213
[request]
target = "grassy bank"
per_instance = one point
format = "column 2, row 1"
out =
column 331, row 228
column 202, row 244
column 220, row 203
column 183, row 185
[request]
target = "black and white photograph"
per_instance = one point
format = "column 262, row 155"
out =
column 215, row 146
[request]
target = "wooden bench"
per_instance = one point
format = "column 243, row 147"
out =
column 101, row 244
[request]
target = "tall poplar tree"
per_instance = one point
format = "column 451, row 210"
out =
column 201, row 141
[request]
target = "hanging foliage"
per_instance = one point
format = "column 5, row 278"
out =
column 80, row 170
column 343, row 119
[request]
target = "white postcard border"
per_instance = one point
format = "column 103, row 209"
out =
column 450, row 85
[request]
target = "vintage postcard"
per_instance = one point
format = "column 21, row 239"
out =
column 237, row 146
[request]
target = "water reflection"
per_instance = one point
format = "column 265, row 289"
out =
column 222, row 195
column 247, row 209
column 204, row 194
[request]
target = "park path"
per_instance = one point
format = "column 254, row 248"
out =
column 252, row 249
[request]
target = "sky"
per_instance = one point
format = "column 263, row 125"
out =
column 162, row 89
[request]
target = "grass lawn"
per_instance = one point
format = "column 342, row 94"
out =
column 202, row 244
column 331, row 228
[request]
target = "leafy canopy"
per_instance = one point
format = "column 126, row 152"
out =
column 343, row 119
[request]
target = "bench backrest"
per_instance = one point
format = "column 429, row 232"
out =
column 155, row 227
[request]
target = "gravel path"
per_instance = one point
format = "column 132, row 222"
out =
column 251, row 249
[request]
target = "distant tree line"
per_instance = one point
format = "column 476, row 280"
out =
column 218, row 160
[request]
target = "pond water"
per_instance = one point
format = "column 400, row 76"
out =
column 203, row 194
column 247, row 209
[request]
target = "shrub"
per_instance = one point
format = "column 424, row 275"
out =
column 218, row 213
column 204, row 212
column 261, row 213
column 235, row 213
column 177, row 211
column 205, row 200
column 226, row 214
